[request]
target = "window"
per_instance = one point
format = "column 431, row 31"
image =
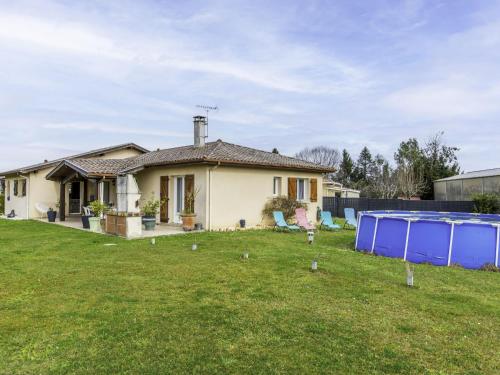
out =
column 23, row 188
column 301, row 189
column 7, row 189
column 16, row 183
column 276, row 186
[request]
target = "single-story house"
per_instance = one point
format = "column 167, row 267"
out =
column 232, row 182
column 463, row 186
column 332, row 188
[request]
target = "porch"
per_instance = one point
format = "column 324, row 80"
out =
column 75, row 222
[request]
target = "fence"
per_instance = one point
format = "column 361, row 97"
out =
column 336, row 205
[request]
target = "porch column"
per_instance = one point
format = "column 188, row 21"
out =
column 62, row 201
column 85, row 192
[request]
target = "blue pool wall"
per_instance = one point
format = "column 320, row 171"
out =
column 439, row 238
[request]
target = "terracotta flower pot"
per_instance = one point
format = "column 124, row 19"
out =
column 188, row 221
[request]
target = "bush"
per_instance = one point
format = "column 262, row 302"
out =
column 283, row 204
column 97, row 207
column 2, row 204
column 486, row 203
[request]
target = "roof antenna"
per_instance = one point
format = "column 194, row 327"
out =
column 207, row 109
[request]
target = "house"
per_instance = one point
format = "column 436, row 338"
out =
column 463, row 186
column 335, row 189
column 231, row 182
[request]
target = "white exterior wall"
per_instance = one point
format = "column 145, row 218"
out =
column 17, row 203
column 241, row 193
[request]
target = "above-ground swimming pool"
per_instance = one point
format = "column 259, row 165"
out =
column 440, row 238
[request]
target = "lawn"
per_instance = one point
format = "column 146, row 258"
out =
column 71, row 304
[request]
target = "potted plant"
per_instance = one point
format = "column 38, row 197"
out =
column 51, row 214
column 150, row 209
column 188, row 216
column 97, row 209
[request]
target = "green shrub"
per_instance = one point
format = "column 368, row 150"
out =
column 97, row 207
column 486, row 203
column 283, row 204
column 152, row 206
column 2, row 204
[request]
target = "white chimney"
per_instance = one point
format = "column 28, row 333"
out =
column 200, row 130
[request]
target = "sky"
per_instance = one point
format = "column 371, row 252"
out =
column 80, row 75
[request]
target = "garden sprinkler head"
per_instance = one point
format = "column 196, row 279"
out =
column 194, row 247
column 245, row 255
column 314, row 265
column 310, row 237
column 153, row 241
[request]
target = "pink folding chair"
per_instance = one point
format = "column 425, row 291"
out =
column 300, row 215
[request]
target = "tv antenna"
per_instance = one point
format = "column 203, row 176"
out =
column 207, row 109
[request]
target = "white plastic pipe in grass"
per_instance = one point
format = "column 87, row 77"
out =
column 375, row 234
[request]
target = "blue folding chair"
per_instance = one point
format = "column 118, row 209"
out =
column 350, row 218
column 327, row 221
column 280, row 222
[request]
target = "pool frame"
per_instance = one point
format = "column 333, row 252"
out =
column 440, row 238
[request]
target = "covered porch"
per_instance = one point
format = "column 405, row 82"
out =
column 78, row 187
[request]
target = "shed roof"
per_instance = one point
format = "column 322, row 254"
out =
column 475, row 174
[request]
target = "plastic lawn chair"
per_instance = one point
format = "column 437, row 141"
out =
column 327, row 221
column 300, row 215
column 350, row 218
column 281, row 223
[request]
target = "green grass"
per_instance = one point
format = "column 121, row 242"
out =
column 69, row 304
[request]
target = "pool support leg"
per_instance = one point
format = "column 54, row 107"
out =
column 374, row 234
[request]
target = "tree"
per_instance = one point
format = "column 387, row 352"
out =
column 409, row 182
column 275, row 151
column 323, row 155
column 346, row 169
column 364, row 166
column 440, row 162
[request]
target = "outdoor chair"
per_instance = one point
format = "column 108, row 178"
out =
column 350, row 218
column 327, row 221
column 280, row 222
column 42, row 209
column 300, row 215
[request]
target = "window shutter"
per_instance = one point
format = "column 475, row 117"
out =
column 188, row 189
column 292, row 188
column 164, row 199
column 23, row 188
column 314, row 190
column 15, row 187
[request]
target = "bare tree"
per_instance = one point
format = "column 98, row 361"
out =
column 410, row 182
column 323, row 155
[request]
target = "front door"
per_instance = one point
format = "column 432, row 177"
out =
column 74, row 198
column 178, row 198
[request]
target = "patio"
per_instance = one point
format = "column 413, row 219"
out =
column 75, row 222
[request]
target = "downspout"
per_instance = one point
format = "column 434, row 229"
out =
column 210, row 170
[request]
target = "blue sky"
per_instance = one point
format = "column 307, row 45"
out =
column 288, row 74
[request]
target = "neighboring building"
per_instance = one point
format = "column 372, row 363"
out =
column 463, row 186
column 232, row 182
column 335, row 189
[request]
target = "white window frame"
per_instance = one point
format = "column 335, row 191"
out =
column 276, row 186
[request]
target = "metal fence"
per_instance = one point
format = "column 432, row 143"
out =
column 336, row 205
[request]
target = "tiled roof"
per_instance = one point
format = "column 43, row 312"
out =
column 87, row 154
column 223, row 152
column 101, row 166
column 474, row 174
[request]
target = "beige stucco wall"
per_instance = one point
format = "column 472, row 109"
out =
column 148, row 181
column 241, row 193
